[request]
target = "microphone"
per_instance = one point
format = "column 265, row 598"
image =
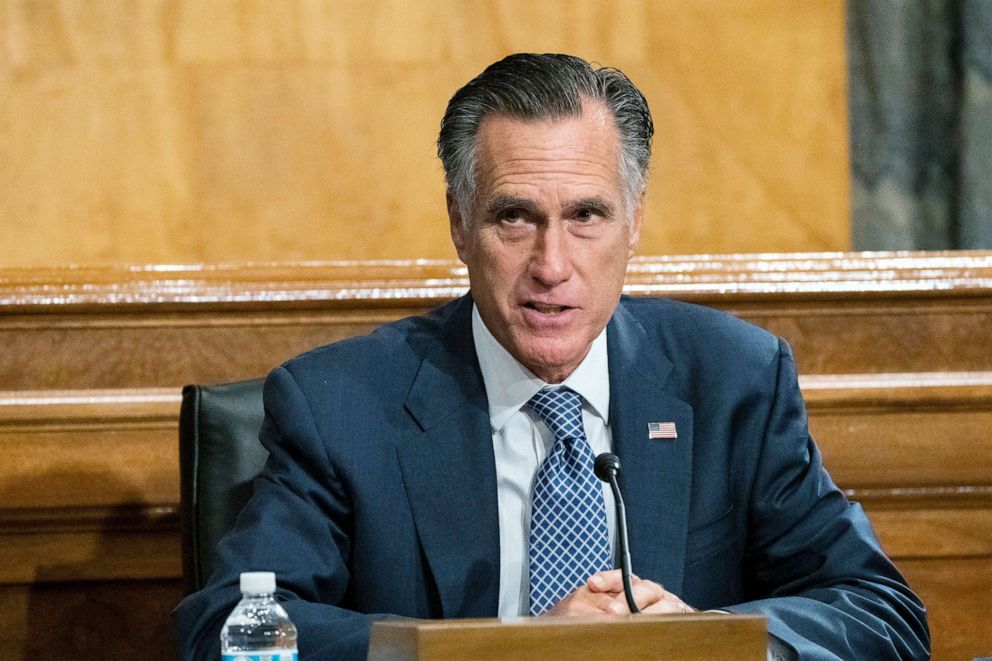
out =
column 607, row 467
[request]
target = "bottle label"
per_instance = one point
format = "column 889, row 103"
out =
column 268, row 655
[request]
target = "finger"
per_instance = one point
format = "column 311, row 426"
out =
column 671, row 603
column 608, row 581
column 645, row 594
column 599, row 602
column 582, row 602
column 605, row 581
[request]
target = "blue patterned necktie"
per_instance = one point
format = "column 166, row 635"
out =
column 569, row 540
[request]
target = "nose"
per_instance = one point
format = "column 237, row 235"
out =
column 551, row 262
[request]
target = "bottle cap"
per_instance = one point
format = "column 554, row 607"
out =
column 257, row 582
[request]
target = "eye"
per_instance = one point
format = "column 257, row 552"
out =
column 587, row 215
column 513, row 216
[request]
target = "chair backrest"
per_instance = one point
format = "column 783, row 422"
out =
column 219, row 457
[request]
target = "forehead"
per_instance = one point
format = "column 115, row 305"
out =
column 581, row 150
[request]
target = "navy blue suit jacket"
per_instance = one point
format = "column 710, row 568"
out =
column 379, row 497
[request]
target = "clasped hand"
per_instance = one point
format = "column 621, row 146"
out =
column 603, row 594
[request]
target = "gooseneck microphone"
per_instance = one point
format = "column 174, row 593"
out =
column 607, row 467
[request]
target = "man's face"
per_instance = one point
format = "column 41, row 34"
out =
column 548, row 241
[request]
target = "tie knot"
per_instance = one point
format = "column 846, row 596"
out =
column 561, row 410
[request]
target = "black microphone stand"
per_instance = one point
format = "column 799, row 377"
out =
column 607, row 468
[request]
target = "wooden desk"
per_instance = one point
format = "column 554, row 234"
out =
column 894, row 351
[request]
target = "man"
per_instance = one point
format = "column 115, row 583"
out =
column 441, row 466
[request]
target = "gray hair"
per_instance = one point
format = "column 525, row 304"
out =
column 532, row 87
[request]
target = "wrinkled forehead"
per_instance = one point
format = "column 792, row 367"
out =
column 586, row 107
column 586, row 145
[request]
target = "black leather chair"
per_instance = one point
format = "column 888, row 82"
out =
column 219, row 457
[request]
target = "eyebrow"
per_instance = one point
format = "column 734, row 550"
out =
column 603, row 207
column 597, row 204
column 504, row 202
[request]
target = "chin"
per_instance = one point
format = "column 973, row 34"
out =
column 551, row 362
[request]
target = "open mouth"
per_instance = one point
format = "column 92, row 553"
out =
column 546, row 308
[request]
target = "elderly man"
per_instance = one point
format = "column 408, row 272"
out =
column 441, row 466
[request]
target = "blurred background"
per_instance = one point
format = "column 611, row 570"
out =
column 185, row 131
column 158, row 131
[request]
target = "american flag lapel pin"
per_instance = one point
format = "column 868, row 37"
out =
column 658, row 430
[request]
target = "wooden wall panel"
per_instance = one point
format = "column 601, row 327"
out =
column 893, row 349
column 183, row 131
column 903, row 430
column 86, row 449
column 83, row 546
column 88, row 620
column 960, row 529
column 958, row 605
column 174, row 348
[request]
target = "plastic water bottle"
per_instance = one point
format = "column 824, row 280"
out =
column 258, row 628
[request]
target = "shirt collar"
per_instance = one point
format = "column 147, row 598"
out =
column 510, row 385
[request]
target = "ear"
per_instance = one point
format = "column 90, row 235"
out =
column 634, row 236
column 459, row 235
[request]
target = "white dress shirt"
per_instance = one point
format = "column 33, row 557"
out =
column 521, row 441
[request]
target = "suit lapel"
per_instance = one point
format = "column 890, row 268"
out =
column 449, row 472
column 656, row 477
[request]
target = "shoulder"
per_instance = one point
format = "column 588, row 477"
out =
column 692, row 324
column 390, row 353
column 701, row 341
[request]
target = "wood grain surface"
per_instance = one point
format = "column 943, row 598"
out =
column 686, row 637
column 893, row 349
column 179, row 131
